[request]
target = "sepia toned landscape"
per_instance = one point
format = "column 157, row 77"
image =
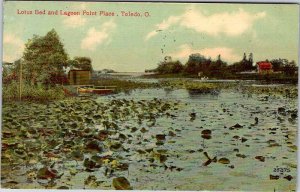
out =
column 159, row 99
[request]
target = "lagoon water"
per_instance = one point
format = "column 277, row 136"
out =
column 253, row 149
column 218, row 113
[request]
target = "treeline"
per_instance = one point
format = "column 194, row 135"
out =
column 199, row 64
column 284, row 65
column 44, row 61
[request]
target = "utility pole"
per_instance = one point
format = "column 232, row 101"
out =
column 20, row 82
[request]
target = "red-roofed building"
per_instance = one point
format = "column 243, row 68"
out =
column 264, row 67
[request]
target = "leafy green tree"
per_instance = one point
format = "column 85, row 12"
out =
column 217, row 68
column 290, row 68
column 177, row 67
column 72, row 63
column 84, row 63
column 278, row 64
column 169, row 67
column 44, row 56
column 250, row 60
column 197, row 63
column 242, row 65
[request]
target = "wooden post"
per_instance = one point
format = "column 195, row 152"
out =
column 20, row 82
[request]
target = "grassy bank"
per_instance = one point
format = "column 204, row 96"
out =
column 177, row 75
column 268, row 78
column 31, row 93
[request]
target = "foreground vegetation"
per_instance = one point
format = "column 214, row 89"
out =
column 87, row 137
column 31, row 93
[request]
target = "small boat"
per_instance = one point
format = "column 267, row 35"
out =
column 99, row 90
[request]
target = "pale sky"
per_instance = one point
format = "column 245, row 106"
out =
column 133, row 44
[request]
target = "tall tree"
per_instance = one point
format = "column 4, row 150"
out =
column 279, row 64
column 290, row 68
column 84, row 63
column 251, row 58
column 196, row 63
column 44, row 56
column 244, row 57
column 169, row 67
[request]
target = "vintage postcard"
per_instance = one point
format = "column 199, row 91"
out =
column 149, row 96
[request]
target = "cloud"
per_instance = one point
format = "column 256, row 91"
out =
column 231, row 24
column 96, row 37
column 163, row 26
column 13, row 47
column 228, row 23
column 150, row 35
column 74, row 21
column 167, row 23
column 226, row 53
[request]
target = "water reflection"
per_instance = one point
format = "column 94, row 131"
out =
column 168, row 91
column 128, row 92
column 196, row 94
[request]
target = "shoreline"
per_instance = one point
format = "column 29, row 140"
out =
column 207, row 86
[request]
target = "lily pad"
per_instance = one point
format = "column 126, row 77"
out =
column 143, row 130
column 224, row 161
column 206, row 132
column 90, row 179
column 93, row 146
column 77, row 155
column 46, row 173
column 102, row 135
column 121, row 183
column 116, row 146
column 90, row 164
column 160, row 137
column 260, row 158
column 63, row 187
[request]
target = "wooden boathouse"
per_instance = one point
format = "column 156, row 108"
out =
column 79, row 77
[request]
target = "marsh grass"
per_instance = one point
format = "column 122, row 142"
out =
column 287, row 91
column 199, row 87
column 10, row 92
